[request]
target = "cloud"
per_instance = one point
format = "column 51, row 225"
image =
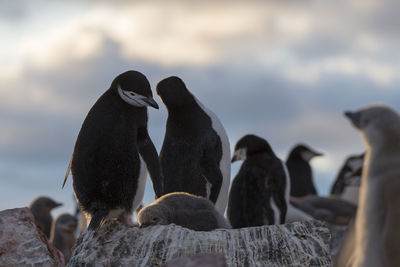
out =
column 285, row 70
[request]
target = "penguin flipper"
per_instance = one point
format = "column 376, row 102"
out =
column 149, row 154
column 67, row 174
column 211, row 172
column 279, row 183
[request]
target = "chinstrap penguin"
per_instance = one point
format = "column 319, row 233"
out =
column 112, row 152
column 375, row 238
column 63, row 234
column 41, row 209
column 257, row 195
column 347, row 182
column 251, row 146
column 187, row 210
column 195, row 155
column 301, row 178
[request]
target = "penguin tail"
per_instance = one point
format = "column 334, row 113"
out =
column 97, row 220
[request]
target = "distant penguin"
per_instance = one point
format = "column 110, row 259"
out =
column 376, row 235
column 187, row 210
column 329, row 209
column 113, row 150
column 301, row 178
column 41, row 209
column 195, row 156
column 257, row 195
column 63, row 234
column 347, row 183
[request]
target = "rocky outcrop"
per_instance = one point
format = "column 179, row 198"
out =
column 203, row 260
column 295, row 244
column 22, row 242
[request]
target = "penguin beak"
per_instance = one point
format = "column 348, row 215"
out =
column 354, row 118
column 309, row 154
column 318, row 154
column 151, row 102
column 136, row 99
column 234, row 158
column 240, row 154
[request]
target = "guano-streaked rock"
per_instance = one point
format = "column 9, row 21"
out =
column 22, row 243
column 203, row 260
column 295, row 244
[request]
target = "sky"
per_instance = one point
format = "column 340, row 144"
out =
column 283, row 70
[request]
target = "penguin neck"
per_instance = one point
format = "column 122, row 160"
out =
column 188, row 106
column 189, row 112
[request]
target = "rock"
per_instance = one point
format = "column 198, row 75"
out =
column 296, row 244
column 338, row 233
column 23, row 243
column 201, row 260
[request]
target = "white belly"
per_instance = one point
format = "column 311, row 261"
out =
column 141, row 184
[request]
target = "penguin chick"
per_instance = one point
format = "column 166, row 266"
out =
column 41, row 209
column 258, row 192
column 195, row 155
column 301, row 178
column 63, row 234
column 376, row 227
column 187, row 210
column 112, row 152
column 332, row 210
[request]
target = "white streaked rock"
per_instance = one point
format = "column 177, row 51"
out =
column 295, row 244
column 22, row 242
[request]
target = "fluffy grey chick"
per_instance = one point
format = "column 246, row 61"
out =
column 376, row 235
column 63, row 234
column 330, row 209
column 41, row 209
column 184, row 209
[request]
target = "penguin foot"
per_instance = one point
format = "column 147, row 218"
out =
column 126, row 218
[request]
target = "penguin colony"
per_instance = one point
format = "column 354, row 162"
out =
column 191, row 175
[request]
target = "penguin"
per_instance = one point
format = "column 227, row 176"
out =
column 347, row 182
column 260, row 191
column 257, row 195
column 41, row 209
column 63, row 234
column 333, row 210
column 376, row 237
column 301, row 179
column 187, row 210
column 113, row 151
column 195, row 155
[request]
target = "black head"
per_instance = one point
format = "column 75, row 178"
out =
column 251, row 145
column 303, row 152
column 134, row 88
column 173, row 92
column 45, row 203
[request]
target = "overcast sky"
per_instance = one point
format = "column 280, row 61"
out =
column 284, row 70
